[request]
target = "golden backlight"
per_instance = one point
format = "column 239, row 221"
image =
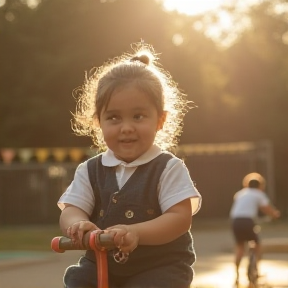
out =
column 192, row 7
column 216, row 20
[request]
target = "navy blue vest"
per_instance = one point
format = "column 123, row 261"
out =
column 136, row 201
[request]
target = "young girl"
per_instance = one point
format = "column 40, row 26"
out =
column 143, row 194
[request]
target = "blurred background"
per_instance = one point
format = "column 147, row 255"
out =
column 229, row 57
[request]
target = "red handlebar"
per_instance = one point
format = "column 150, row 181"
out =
column 91, row 241
column 96, row 240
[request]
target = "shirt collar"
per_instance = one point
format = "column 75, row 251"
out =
column 109, row 159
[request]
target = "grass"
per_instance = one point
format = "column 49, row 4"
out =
column 32, row 238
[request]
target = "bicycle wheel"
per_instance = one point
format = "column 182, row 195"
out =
column 252, row 271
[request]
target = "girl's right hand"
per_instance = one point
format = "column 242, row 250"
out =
column 78, row 229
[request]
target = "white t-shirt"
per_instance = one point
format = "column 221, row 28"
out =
column 247, row 202
column 175, row 184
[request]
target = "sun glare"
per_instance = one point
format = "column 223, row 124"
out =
column 192, row 7
column 217, row 23
column 196, row 7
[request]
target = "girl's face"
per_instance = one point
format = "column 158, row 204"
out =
column 130, row 123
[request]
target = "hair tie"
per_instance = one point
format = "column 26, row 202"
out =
column 143, row 59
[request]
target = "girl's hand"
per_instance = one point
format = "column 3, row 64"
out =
column 78, row 229
column 125, row 238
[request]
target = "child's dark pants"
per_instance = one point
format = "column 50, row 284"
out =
column 84, row 275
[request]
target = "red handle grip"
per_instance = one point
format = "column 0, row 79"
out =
column 91, row 241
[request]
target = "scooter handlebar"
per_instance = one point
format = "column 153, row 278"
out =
column 91, row 240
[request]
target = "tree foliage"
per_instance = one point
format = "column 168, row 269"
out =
column 241, row 92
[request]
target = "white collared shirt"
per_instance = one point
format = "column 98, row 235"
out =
column 247, row 202
column 175, row 184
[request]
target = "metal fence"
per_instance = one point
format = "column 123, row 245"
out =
column 218, row 170
column 29, row 191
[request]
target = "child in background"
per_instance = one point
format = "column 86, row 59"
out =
column 143, row 194
column 246, row 204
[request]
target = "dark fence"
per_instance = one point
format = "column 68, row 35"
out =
column 218, row 177
column 29, row 191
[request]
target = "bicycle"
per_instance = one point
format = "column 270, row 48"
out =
column 99, row 242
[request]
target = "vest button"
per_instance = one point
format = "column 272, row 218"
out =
column 129, row 214
column 114, row 199
column 101, row 213
column 150, row 211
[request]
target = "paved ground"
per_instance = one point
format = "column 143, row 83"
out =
column 213, row 269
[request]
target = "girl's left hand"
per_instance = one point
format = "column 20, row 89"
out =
column 125, row 238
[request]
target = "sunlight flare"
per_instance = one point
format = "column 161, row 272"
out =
column 196, row 7
column 217, row 23
column 191, row 7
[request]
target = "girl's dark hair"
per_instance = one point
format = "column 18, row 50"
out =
column 140, row 69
